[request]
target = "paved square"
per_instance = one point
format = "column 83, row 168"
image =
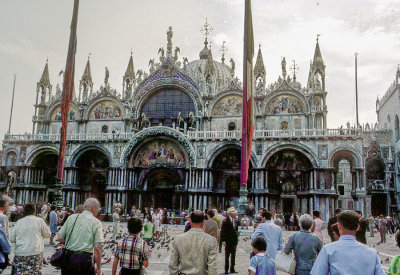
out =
column 160, row 255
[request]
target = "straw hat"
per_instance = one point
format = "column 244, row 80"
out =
column 231, row 210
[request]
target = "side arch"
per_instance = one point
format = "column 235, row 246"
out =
column 345, row 153
column 78, row 152
column 36, row 152
column 222, row 147
column 297, row 147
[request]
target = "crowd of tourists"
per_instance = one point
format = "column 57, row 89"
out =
column 195, row 251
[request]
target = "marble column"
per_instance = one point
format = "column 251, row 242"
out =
column 317, row 203
column 205, row 205
column 195, row 202
column 190, row 202
column 327, row 208
column 203, row 179
column 311, row 209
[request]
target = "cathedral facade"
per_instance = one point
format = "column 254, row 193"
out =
column 171, row 138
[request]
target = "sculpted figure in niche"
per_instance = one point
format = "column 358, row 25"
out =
column 179, row 120
column 317, row 81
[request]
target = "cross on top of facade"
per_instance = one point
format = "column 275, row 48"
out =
column 294, row 69
column 223, row 51
column 206, row 29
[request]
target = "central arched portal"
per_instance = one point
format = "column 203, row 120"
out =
column 92, row 175
column 159, row 167
column 159, row 188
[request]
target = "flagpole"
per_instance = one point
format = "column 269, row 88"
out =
column 67, row 93
column 247, row 114
column 12, row 106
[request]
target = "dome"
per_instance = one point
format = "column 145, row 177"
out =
column 222, row 72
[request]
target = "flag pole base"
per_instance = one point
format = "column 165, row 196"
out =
column 58, row 199
column 243, row 204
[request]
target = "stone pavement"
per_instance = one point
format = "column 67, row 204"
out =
column 160, row 256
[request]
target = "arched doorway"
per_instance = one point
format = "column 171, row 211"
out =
column 159, row 188
column 376, row 184
column 289, row 172
column 226, row 178
column 92, row 175
column 46, row 162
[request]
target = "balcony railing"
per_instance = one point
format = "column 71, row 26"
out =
column 195, row 135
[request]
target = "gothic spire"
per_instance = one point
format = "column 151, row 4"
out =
column 130, row 70
column 317, row 61
column 206, row 30
column 259, row 68
column 45, row 75
column 87, row 74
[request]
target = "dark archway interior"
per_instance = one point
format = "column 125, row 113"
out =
column 93, row 172
column 288, row 171
column 375, row 170
column 226, row 172
column 48, row 163
column 160, row 187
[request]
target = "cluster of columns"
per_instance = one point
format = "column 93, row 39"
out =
column 112, row 197
column 28, row 175
column 26, row 196
column 199, row 178
column 70, row 176
column 199, row 201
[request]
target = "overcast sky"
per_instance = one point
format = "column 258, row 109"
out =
column 32, row 31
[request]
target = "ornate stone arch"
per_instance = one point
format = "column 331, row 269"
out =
column 39, row 150
column 51, row 109
column 221, row 96
column 222, row 147
column 290, row 92
column 141, row 97
column 78, row 152
column 297, row 147
column 157, row 131
column 98, row 100
column 345, row 153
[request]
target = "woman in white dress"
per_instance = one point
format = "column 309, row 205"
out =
column 157, row 223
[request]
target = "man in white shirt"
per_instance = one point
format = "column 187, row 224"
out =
column 28, row 235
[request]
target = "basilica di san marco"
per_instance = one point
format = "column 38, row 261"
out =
column 171, row 138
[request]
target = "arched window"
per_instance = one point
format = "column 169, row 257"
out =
column 104, row 129
column 165, row 105
column 396, row 127
column 231, row 126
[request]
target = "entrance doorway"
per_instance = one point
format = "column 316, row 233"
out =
column 160, row 189
column 378, row 204
column 287, row 206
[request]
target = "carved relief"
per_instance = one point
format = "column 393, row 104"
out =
column 284, row 105
column 323, row 152
column 228, row 106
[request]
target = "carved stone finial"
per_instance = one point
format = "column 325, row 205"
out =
column 283, row 63
column 106, row 77
column 170, row 33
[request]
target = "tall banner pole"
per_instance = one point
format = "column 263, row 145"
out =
column 248, row 108
column 67, row 93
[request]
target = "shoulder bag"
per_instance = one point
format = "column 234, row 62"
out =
column 286, row 262
column 58, row 258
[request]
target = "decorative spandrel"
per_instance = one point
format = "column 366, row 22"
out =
column 228, row 106
column 284, row 104
column 106, row 110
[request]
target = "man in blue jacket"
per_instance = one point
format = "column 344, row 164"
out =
column 271, row 233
